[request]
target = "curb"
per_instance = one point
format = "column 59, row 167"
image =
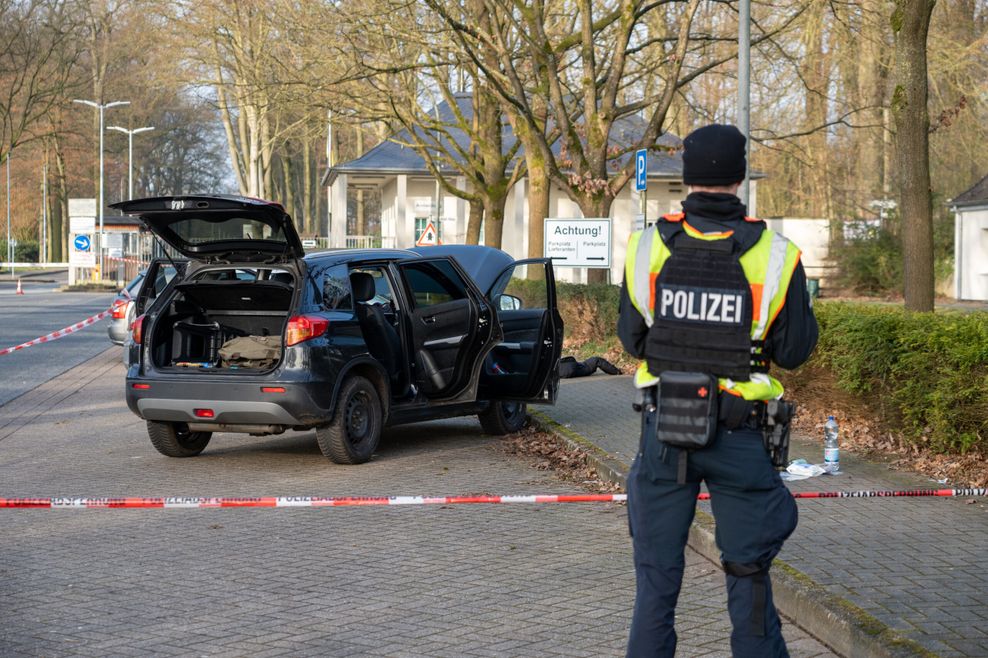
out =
column 847, row 628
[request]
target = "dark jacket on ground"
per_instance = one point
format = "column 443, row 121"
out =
column 792, row 336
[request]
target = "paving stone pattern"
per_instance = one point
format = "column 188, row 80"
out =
column 920, row 565
column 458, row 581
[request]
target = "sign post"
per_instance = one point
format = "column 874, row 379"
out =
column 82, row 226
column 578, row 242
column 641, row 186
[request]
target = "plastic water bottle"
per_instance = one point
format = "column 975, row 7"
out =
column 831, row 452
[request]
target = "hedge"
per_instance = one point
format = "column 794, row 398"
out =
column 590, row 312
column 927, row 372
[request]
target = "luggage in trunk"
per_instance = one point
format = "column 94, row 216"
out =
column 223, row 325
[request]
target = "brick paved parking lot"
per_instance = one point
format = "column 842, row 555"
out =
column 431, row 581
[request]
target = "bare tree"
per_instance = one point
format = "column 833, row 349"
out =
column 38, row 52
column 910, row 23
column 589, row 76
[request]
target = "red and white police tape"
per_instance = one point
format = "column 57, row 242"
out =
column 187, row 502
column 61, row 333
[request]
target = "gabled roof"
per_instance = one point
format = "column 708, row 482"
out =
column 393, row 157
column 976, row 196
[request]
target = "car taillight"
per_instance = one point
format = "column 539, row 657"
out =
column 119, row 311
column 304, row 327
column 138, row 330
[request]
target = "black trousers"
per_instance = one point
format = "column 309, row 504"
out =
column 755, row 514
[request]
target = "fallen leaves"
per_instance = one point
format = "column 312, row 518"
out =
column 817, row 396
column 547, row 452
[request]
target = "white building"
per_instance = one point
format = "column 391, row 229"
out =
column 408, row 195
column 971, row 242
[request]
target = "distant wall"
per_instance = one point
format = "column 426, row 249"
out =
column 971, row 254
column 812, row 236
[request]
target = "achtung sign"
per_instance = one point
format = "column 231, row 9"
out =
column 578, row 242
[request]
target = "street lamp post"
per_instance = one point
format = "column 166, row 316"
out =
column 744, row 90
column 130, row 154
column 101, row 107
column 10, row 246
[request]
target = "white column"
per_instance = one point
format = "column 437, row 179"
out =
column 518, row 244
column 461, row 213
column 338, row 210
column 404, row 221
column 958, row 257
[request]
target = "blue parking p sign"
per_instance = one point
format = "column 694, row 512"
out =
column 641, row 170
column 82, row 243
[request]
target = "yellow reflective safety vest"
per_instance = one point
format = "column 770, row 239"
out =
column 768, row 265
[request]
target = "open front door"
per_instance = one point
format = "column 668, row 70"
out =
column 524, row 366
column 452, row 327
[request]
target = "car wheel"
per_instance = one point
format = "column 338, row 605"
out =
column 176, row 440
column 353, row 434
column 503, row 417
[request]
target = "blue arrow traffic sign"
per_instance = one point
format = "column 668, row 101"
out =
column 641, row 170
column 82, row 243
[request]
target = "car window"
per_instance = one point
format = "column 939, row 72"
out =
column 433, row 282
column 336, row 289
column 163, row 277
column 228, row 275
column 382, row 287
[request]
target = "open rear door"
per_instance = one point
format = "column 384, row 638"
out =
column 524, row 366
column 452, row 327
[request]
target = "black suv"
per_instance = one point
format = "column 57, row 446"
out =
column 258, row 338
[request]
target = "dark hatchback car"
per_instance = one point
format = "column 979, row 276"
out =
column 256, row 337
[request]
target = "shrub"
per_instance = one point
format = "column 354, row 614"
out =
column 872, row 262
column 590, row 312
column 927, row 372
column 25, row 251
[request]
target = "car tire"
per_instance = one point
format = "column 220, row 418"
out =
column 503, row 417
column 355, row 431
column 175, row 439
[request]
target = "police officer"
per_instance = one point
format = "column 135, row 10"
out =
column 710, row 298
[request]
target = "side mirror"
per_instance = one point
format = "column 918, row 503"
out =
column 508, row 303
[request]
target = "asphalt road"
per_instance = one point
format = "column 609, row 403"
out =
column 39, row 311
column 459, row 581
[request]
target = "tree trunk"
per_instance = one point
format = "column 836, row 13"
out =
column 310, row 221
column 817, row 78
column 474, row 221
column 538, row 209
column 63, row 200
column 911, row 23
column 288, row 195
column 871, row 96
column 493, row 219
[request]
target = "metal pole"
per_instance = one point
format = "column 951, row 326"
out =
column 44, row 212
column 744, row 87
column 10, row 247
column 130, row 154
column 130, row 165
column 101, row 108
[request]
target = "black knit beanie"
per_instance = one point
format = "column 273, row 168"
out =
column 714, row 155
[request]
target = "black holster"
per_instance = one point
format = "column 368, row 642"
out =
column 775, row 430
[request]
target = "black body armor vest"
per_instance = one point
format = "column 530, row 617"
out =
column 703, row 310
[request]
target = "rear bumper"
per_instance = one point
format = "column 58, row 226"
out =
column 231, row 403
